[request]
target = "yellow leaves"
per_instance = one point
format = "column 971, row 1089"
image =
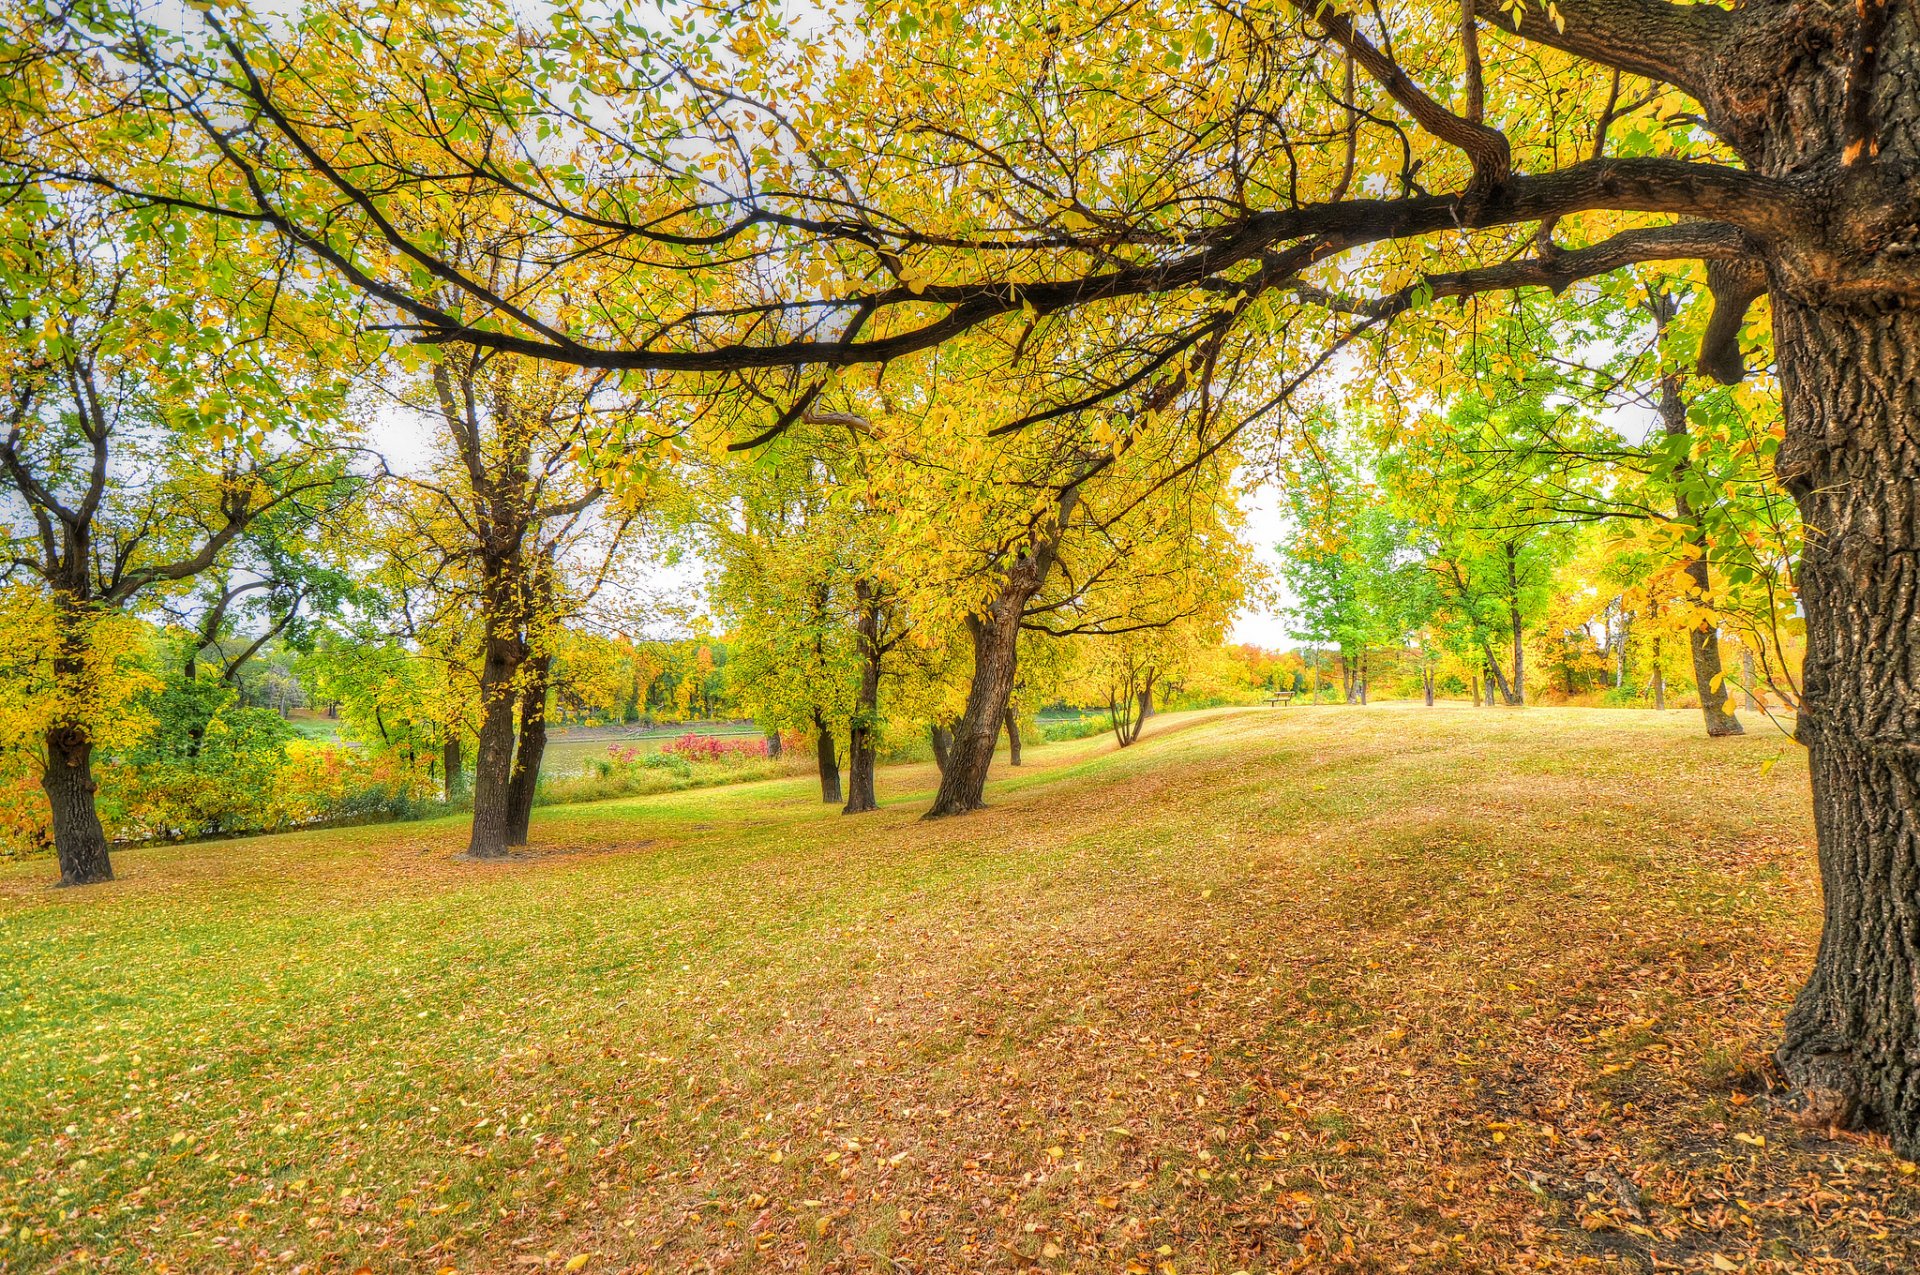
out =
column 578, row 1262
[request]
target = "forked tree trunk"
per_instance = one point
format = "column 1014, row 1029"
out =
column 1851, row 458
column 1013, row 737
column 1146, row 697
column 829, row 761
column 78, row 839
column 942, row 741
column 530, row 751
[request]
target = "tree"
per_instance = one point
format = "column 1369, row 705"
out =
column 1200, row 162
column 148, row 427
column 488, row 528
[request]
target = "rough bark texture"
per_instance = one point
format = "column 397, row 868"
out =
column 78, row 839
column 828, row 759
column 1013, row 737
column 1851, row 381
column 530, row 750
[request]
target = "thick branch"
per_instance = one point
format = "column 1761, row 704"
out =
column 1486, row 147
column 1690, row 241
column 1675, row 43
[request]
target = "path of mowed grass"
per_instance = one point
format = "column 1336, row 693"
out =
column 1311, row 988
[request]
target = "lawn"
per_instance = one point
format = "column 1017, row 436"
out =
column 1280, row 989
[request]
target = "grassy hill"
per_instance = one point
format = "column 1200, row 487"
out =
column 1383, row 989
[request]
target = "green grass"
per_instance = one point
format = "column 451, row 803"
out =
column 1387, row 988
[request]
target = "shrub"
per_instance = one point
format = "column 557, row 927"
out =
column 715, row 748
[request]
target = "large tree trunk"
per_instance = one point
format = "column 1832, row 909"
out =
column 1851, row 458
column 829, row 761
column 78, row 839
column 530, row 751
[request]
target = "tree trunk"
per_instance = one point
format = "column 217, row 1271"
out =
column 1146, row 698
column 996, row 637
column 1517, row 692
column 531, row 750
column 829, row 762
column 963, row 780
column 866, row 710
column 1659, row 681
column 451, row 762
column 773, row 743
column 1476, row 692
column 78, row 839
column 1363, row 677
column 1704, row 640
column 1013, row 737
column 1851, row 458
column 1426, row 682
column 493, row 760
column 942, row 740
column 1746, row 674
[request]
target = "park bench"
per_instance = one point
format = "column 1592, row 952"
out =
column 1281, row 697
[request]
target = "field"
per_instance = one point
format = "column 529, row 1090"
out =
column 1285, row 989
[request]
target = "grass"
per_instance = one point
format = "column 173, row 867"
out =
column 1281, row 989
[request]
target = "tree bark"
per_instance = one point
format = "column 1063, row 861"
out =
column 942, row 740
column 1851, row 459
column 829, row 761
column 1746, row 674
column 530, row 751
column 1013, row 737
column 78, row 839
